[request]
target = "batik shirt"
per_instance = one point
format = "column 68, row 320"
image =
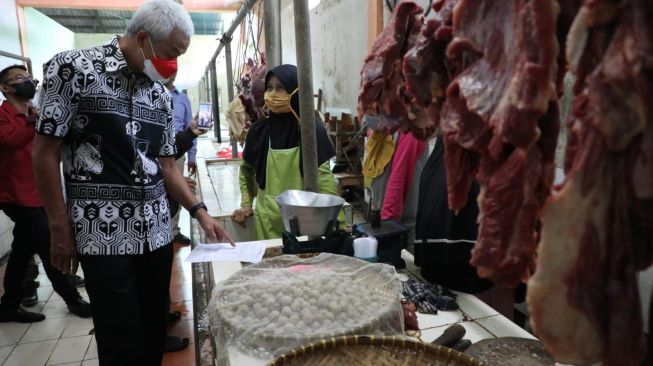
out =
column 114, row 124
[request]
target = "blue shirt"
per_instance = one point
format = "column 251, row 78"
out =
column 183, row 116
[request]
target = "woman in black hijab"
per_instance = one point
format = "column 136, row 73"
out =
column 272, row 156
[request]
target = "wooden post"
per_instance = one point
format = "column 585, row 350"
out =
column 306, row 102
column 22, row 33
column 374, row 20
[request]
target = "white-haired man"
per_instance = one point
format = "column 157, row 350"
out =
column 107, row 116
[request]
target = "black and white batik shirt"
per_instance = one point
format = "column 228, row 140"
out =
column 114, row 124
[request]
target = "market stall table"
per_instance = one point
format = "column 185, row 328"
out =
column 479, row 319
column 219, row 189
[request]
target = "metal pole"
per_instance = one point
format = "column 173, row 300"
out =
column 247, row 6
column 207, row 87
column 199, row 89
column 214, row 102
column 226, row 41
column 230, row 88
column 27, row 60
column 272, row 33
column 306, row 103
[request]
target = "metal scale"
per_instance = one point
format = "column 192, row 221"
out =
column 315, row 215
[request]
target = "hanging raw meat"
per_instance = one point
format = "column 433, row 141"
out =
column 500, row 126
column 258, row 73
column 502, row 75
column 426, row 73
column 406, row 74
column 382, row 81
column 247, row 108
column 597, row 229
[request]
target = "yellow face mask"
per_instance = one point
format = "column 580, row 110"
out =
column 279, row 102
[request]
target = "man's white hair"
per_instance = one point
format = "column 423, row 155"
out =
column 158, row 18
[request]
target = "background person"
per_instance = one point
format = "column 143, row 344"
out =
column 444, row 239
column 183, row 116
column 19, row 199
column 184, row 141
column 272, row 160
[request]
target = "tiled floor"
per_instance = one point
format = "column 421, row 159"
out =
column 65, row 339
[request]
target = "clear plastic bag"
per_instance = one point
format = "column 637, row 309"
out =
column 283, row 302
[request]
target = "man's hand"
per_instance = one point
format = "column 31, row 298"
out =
column 192, row 168
column 63, row 252
column 194, row 126
column 214, row 232
column 240, row 215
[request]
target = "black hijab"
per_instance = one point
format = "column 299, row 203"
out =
column 282, row 131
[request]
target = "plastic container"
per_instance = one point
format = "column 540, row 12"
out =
column 365, row 248
column 391, row 236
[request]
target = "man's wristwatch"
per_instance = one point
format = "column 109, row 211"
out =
column 193, row 210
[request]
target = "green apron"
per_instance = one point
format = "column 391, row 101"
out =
column 281, row 174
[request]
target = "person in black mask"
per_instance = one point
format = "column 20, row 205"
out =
column 272, row 160
column 20, row 201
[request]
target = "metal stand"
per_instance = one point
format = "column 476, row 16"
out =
column 338, row 242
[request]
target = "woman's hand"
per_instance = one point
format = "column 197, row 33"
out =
column 240, row 215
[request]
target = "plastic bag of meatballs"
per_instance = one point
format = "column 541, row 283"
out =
column 283, row 302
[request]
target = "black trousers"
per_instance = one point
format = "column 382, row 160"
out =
column 31, row 273
column 31, row 236
column 130, row 300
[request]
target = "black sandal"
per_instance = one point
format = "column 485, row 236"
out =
column 174, row 344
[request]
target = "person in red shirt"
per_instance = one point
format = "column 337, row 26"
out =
column 20, row 200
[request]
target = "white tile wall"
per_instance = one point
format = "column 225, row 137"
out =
column 498, row 326
column 427, row 321
column 474, row 332
column 474, row 308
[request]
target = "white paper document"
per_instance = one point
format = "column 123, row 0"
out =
column 248, row 251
